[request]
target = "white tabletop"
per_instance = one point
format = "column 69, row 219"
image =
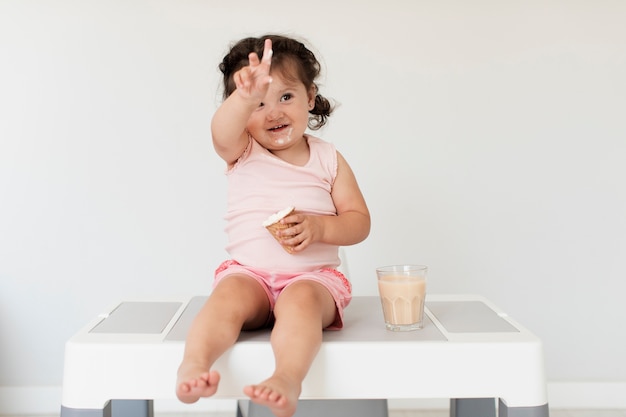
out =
column 468, row 348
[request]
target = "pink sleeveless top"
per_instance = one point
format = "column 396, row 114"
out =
column 260, row 184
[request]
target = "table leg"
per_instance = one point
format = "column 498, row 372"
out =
column 473, row 407
column 326, row 408
column 132, row 408
column 114, row 408
column 539, row 411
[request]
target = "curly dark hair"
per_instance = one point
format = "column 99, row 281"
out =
column 291, row 58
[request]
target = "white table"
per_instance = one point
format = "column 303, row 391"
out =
column 469, row 351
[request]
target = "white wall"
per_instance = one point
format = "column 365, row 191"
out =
column 488, row 137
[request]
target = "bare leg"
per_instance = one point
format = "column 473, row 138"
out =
column 302, row 311
column 236, row 302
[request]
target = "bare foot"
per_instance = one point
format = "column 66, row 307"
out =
column 195, row 381
column 277, row 393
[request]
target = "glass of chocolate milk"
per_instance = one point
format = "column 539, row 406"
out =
column 402, row 290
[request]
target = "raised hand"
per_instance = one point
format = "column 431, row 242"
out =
column 253, row 81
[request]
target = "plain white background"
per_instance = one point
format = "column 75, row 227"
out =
column 488, row 137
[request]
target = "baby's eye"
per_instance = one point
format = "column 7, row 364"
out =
column 286, row 97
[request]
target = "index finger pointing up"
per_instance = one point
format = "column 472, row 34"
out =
column 267, row 52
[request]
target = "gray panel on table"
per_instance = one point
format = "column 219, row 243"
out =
column 138, row 317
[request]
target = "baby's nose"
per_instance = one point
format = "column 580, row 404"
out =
column 273, row 113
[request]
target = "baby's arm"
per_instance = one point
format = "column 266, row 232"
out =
column 228, row 126
column 351, row 225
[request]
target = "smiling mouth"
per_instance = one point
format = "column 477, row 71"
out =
column 277, row 128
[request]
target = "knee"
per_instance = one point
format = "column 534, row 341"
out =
column 302, row 296
column 241, row 298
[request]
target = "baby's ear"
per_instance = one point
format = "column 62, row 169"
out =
column 312, row 94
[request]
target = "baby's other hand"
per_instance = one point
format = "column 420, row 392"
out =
column 253, row 80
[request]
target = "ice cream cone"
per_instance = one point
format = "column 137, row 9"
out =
column 273, row 225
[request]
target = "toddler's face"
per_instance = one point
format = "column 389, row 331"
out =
column 281, row 119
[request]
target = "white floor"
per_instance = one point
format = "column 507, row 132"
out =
column 408, row 413
column 446, row 413
column 553, row 413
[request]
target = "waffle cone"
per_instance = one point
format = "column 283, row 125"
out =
column 275, row 227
